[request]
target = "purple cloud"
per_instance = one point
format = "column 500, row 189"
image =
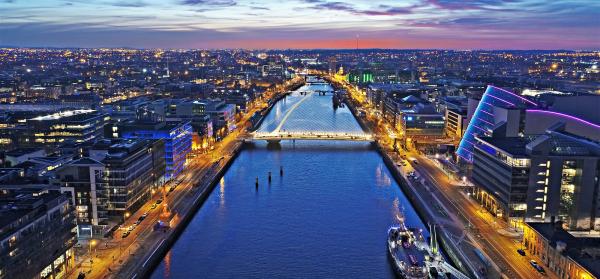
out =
column 383, row 10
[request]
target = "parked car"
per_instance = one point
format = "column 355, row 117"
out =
column 153, row 206
column 159, row 201
column 521, row 252
column 125, row 234
column 537, row 267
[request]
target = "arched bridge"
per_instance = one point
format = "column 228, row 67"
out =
column 279, row 133
column 311, row 135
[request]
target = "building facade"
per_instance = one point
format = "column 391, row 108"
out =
column 36, row 234
column 496, row 105
column 538, row 178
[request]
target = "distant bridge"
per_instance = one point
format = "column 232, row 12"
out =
column 311, row 135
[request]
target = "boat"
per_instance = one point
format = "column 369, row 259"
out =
column 408, row 251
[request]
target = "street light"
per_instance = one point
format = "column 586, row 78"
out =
column 92, row 243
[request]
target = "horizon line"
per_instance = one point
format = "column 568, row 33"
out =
column 279, row 49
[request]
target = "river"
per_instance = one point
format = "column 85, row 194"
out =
column 325, row 217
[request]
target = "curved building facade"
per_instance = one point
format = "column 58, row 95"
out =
column 496, row 105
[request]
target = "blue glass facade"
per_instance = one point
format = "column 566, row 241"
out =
column 483, row 122
column 178, row 143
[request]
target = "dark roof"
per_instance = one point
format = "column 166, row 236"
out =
column 85, row 161
column 22, row 151
column 411, row 99
column 512, row 145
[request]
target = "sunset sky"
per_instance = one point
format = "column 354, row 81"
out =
column 478, row 24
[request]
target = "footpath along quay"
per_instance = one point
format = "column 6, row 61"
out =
column 142, row 266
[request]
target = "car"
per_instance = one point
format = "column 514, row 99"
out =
column 159, row 201
column 537, row 267
column 125, row 234
column 77, row 245
column 145, row 215
column 153, row 206
column 171, row 189
column 521, row 252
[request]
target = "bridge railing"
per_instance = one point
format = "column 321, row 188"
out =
column 312, row 135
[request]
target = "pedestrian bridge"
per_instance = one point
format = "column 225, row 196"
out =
column 279, row 135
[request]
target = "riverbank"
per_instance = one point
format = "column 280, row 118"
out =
column 195, row 200
column 423, row 202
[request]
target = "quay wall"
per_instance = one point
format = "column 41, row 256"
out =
column 200, row 197
column 421, row 206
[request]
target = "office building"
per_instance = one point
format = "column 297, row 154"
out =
column 495, row 107
column 177, row 137
column 539, row 177
column 83, row 180
column 36, row 234
column 132, row 169
column 54, row 128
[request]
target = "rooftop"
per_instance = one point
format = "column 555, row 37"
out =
column 62, row 114
column 581, row 249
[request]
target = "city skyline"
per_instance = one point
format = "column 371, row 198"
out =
column 321, row 24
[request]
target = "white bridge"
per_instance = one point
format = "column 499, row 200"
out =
column 279, row 134
column 311, row 135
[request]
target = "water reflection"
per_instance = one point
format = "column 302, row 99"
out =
column 326, row 217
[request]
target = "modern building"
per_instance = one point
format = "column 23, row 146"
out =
column 83, row 180
column 455, row 113
column 566, row 255
column 539, row 177
column 522, row 116
column 421, row 120
column 177, row 137
column 36, row 234
column 55, row 128
column 132, row 169
column 496, row 106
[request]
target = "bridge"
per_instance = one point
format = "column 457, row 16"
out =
column 311, row 135
column 278, row 134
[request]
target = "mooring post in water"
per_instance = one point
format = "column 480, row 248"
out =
column 281, row 170
column 269, row 177
column 256, row 182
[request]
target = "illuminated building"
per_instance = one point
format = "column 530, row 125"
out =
column 522, row 116
column 83, row 180
column 56, row 128
column 132, row 168
column 539, row 178
column 176, row 135
column 496, row 105
column 569, row 256
column 421, row 120
column 36, row 234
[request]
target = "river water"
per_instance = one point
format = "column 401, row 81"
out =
column 325, row 217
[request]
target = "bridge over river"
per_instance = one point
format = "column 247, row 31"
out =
column 302, row 116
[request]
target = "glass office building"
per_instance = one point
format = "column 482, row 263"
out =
column 486, row 118
column 177, row 137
